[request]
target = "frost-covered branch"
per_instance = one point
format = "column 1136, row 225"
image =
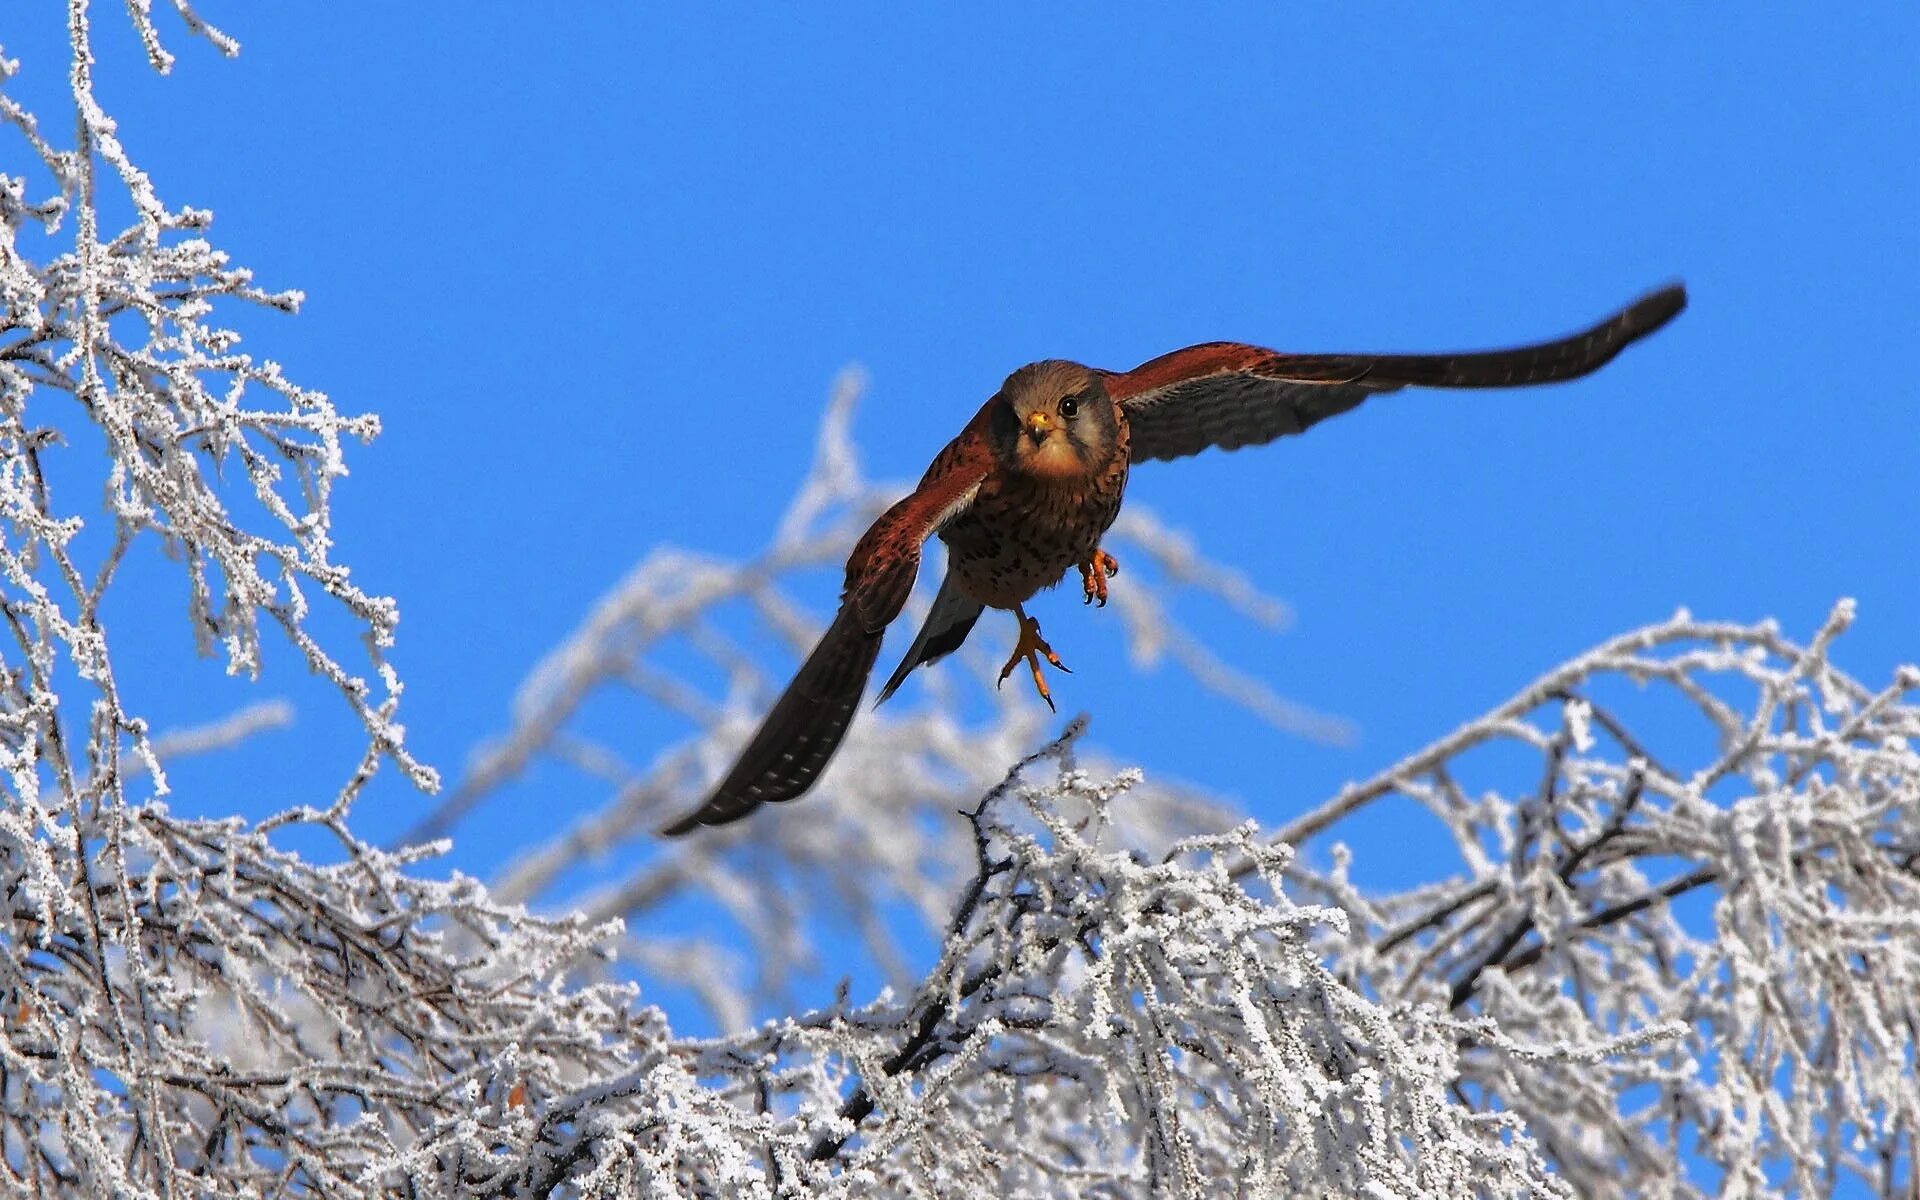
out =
column 171, row 1000
column 1674, row 952
column 117, row 346
column 1097, row 1022
column 1722, row 830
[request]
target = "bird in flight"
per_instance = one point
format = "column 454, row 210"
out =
column 1025, row 492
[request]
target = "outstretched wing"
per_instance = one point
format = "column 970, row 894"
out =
column 793, row 745
column 1230, row 395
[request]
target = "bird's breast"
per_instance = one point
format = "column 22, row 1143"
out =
column 1022, row 534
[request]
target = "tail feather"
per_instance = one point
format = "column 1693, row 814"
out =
column 946, row 627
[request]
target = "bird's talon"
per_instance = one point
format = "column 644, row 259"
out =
column 1030, row 649
column 1094, row 573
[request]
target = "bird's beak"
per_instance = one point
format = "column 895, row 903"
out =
column 1039, row 425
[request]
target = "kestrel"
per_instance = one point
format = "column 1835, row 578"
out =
column 1025, row 492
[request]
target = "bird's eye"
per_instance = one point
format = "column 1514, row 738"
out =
column 1069, row 406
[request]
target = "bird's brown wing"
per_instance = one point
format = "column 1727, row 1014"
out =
column 1230, row 395
column 793, row 745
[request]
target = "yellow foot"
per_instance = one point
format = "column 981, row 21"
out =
column 1032, row 648
column 1094, row 573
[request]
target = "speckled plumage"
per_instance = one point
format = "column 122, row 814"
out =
column 1022, row 533
column 1026, row 490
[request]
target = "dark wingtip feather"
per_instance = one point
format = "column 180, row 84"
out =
column 711, row 812
column 798, row 737
column 686, row 824
column 1653, row 310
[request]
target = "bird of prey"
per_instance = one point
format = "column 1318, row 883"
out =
column 1025, row 492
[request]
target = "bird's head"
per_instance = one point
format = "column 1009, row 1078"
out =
column 1053, row 420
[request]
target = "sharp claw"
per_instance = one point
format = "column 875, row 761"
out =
column 1094, row 573
column 1039, row 681
column 1031, row 648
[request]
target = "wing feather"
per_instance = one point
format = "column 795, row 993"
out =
column 799, row 736
column 1229, row 395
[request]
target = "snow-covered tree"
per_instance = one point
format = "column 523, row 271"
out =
column 1674, row 951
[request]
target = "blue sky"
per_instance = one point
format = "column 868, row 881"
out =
column 596, row 270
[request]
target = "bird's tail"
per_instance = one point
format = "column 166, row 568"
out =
column 946, row 627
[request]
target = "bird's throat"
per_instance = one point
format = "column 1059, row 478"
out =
column 1054, row 458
